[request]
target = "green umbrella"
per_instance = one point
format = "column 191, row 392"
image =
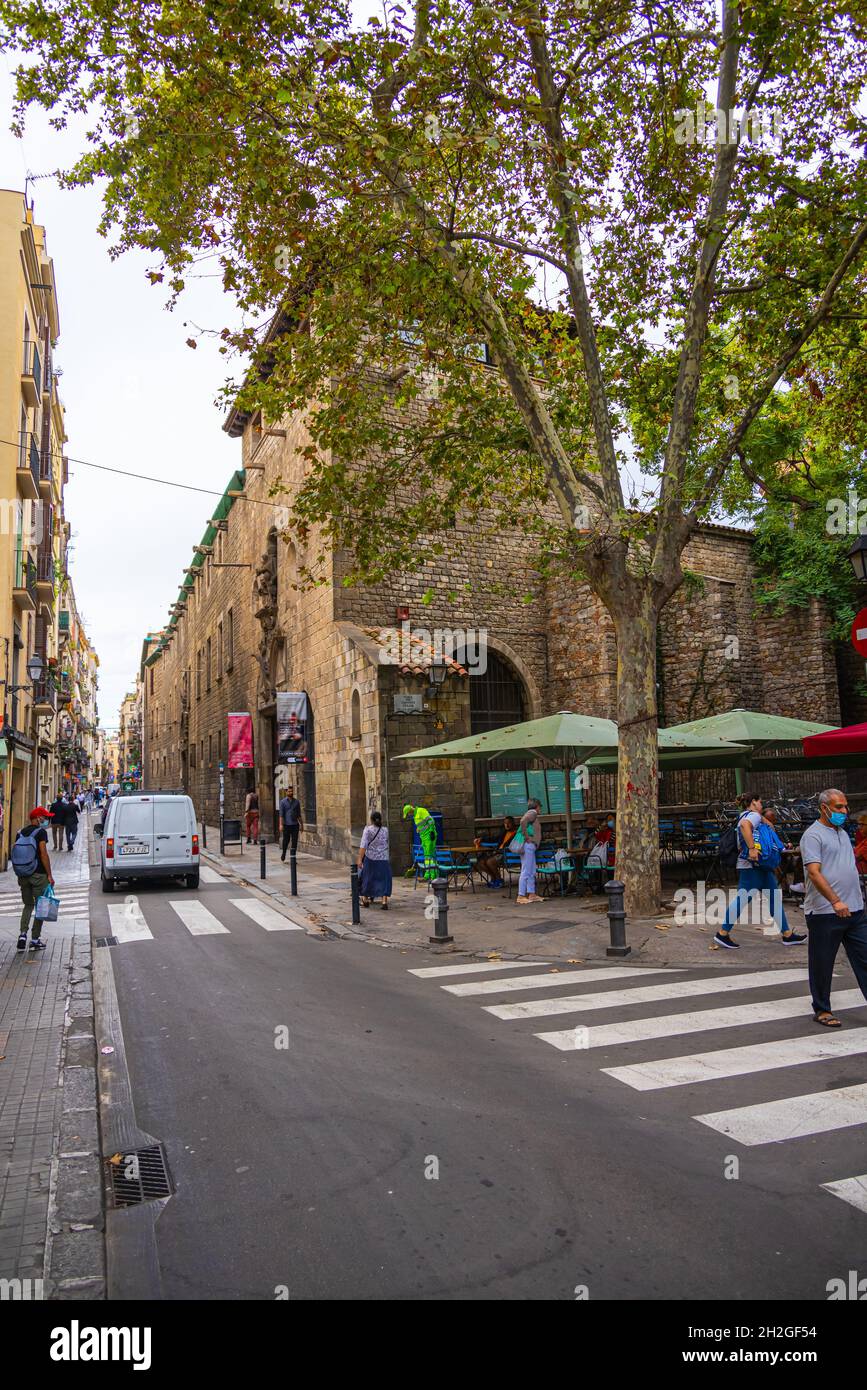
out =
column 772, row 735
column 562, row 740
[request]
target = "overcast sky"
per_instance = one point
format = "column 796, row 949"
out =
column 136, row 397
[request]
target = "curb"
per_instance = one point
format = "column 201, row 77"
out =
column 75, row 1261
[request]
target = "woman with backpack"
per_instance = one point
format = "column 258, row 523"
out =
column 32, row 867
column 760, row 852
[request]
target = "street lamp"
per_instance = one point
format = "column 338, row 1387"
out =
column 858, row 559
column 437, row 674
column 35, row 667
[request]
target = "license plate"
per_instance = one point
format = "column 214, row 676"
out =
column 133, row 849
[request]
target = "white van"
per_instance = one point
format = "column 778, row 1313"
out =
column 149, row 837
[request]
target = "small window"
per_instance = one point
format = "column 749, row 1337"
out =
column 202, row 751
column 220, row 650
column 199, row 674
column 152, row 680
column 208, row 665
column 355, row 716
column 230, row 639
column 210, row 749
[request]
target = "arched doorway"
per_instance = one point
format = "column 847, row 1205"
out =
column 357, row 800
column 497, row 698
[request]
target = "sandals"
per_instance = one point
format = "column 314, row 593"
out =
column 827, row 1020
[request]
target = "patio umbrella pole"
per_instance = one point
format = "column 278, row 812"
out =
column 567, row 782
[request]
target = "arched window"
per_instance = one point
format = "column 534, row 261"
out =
column 357, row 800
column 355, row 716
column 497, row 698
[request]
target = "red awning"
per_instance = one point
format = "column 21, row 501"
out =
column 852, row 739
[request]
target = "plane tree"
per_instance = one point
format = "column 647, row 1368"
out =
column 639, row 214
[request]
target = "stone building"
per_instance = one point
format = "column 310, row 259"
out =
column 243, row 629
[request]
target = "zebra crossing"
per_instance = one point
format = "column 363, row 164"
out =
column 129, row 919
column 74, row 901
column 674, row 1005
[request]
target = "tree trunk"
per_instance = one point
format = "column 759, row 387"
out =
column 637, row 783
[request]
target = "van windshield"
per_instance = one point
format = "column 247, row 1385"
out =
column 135, row 818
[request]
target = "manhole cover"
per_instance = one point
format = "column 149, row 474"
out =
column 105, row 941
column 141, row 1175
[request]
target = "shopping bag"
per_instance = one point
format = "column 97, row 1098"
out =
column 48, row 906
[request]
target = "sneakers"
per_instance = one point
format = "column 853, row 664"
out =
column 38, row 945
column 794, row 938
column 726, row 942
column 22, row 941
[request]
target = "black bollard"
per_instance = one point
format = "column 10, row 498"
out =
column 441, row 936
column 204, row 835
column 616, row 920
column 356, row 900
column 293, row 873
column 261, row 856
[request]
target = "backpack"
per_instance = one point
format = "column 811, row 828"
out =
column 767, row 839
column 25, row 856
column 729, row 847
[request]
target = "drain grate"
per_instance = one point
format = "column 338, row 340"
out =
column 105, row 941
column 141, row 1175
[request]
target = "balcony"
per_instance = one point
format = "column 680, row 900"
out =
column 24, row 587
column 28, row 465
column 46, row 474
column 45, row 577
column 48, row 376
column 31, row 373
column 44, row 697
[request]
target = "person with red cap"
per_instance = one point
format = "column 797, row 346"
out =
column 29, row 859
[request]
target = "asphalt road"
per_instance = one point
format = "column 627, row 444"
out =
column 338, row 1127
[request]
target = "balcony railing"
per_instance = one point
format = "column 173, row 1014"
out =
column 46, row 467
column 28, row 463
column 25, row 580
column 31, row 372
column 45, row 695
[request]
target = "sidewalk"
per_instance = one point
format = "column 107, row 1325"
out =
column 51, row 1218
column 486, row 921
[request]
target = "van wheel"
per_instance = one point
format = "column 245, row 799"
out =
column 191, row 880
column 107, row 883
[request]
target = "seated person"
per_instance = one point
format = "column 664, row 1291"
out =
column 491, row 862
column 605, row 837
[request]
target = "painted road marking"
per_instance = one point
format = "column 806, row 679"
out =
column 677, row 989
column 697, row 1021
column 264, row 915
column 565, row 977
column 197, row 919
column 431, row 972
column 795, row 1118
column 211, row 876
column 127, row 921
column 852, row 1190
column 739, row 1061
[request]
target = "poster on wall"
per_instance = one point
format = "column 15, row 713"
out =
column 240, row 740
column 292, row 744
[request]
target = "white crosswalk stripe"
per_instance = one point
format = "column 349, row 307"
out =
column 835, row 1108
column 128, row 923
column 793, row 1118
column 681, row 989
column 211, row 876
column 852, row 1190
column 264, row 915
column 197, row 919
column 697, row 1021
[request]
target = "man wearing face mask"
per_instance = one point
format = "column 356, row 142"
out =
column 833, row 903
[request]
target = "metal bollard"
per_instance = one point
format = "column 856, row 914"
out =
column 204, row 835
column 293, row 874
column 356, row 900
column 616, row 920
column 441, row 936
column 261, row 856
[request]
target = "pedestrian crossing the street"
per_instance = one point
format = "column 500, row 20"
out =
column 646, row 1019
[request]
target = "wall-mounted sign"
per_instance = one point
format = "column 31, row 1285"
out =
column 408, row 704
column 292, row 744
column 240, row 740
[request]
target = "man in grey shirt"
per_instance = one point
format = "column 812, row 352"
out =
column 833, row 903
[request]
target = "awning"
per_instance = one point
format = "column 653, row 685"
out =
column 846, row 742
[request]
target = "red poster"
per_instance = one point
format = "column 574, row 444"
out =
column 240, row 740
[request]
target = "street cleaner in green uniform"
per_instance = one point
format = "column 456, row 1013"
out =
column 427, row 833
